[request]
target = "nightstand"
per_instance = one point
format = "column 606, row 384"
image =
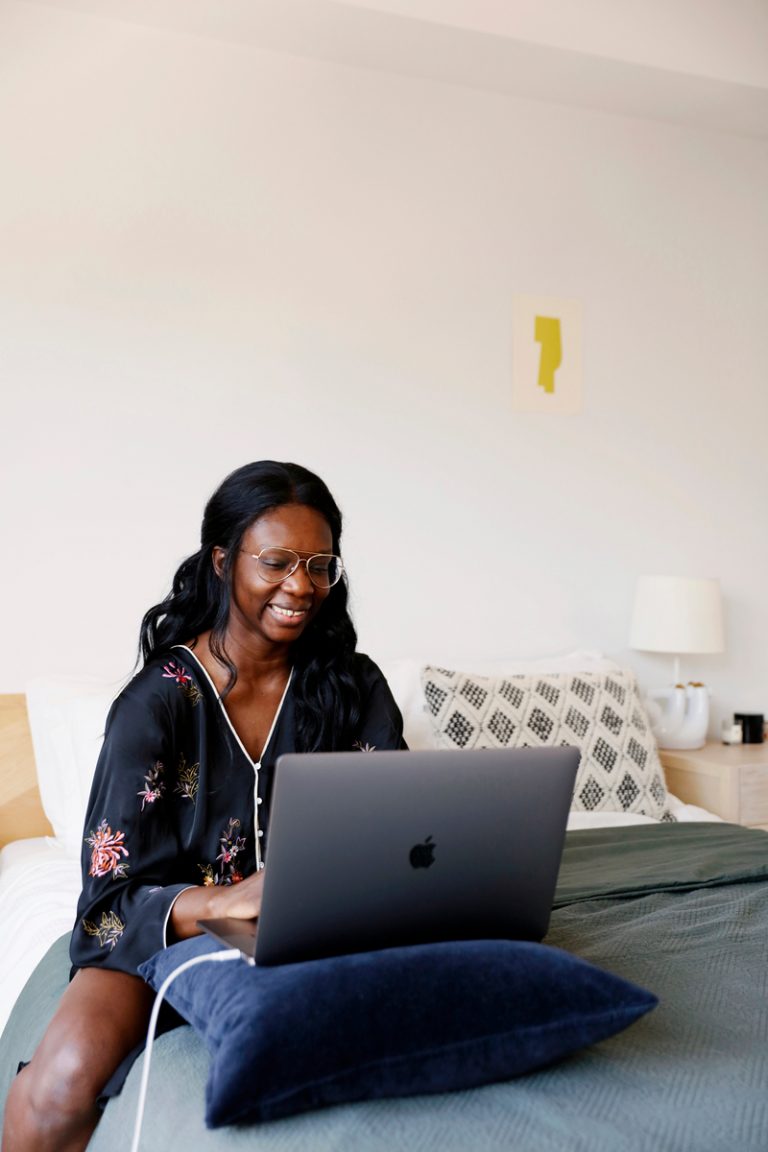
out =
column 730, row 780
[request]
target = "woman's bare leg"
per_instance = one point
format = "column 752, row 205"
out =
column 51, row 1106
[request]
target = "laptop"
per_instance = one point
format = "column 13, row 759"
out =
column 371, row 850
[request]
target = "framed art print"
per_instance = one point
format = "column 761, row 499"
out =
column 546, row 354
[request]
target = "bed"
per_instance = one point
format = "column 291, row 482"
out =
column 678, row 906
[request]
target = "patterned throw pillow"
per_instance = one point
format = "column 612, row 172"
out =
column 598, row 712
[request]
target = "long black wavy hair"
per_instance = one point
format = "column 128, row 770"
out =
column 325, row 690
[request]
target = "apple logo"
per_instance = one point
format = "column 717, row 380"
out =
column 422, row 855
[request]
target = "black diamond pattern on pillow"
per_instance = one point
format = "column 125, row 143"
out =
column 511, row 693
column 627, row 791
column 638, row 721
column 616, row 689
column 548, row 692
column 473, row 693
column 540, row 724
column 501, row 727
column 591, row 794
column 611, row 719
column 435, row 696
column 576, row 721
column 583, row 690
column 604, row 754
column 599, row 713
column 638, row 753
column 459, row 729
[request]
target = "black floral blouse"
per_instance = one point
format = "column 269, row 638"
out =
column 177, row 801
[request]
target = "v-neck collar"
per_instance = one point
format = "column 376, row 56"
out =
column 233, row 730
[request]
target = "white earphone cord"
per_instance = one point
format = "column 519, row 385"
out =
column 230, row 954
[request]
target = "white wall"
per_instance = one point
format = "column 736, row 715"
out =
column 727, row 39
column 211, row 254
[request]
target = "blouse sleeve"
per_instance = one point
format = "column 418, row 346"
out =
column 130, row 844
column 381, row 724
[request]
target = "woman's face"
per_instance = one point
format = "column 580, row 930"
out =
column 278, row 613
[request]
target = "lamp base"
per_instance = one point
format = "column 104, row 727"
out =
column 669, row 743
column 679, row 716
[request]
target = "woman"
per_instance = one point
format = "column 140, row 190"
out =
column 252, row 654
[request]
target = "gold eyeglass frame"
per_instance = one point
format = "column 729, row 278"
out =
column 306, row 561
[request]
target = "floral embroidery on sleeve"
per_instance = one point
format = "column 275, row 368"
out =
column 154, row 785
column 188, row 779
column 177, row 672
column 358, row 747
column 106, row 849
column 225, row 870
column 108, row 932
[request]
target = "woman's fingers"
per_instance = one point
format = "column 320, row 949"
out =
column 209, row 902
column 243, row 900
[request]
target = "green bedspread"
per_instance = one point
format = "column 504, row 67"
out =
column 681, row 909
column 622, row 862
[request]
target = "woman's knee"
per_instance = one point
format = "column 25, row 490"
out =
column 60, row 1087
column 101, row 1018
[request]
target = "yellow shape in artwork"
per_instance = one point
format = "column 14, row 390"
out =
column 547, row 333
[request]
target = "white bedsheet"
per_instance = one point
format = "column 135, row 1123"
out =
column 40, row 884
column 39, row 887
column 682, row 812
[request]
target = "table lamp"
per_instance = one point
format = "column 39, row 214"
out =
column 681, row 616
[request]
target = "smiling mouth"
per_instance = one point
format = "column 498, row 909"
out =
column 289, row 613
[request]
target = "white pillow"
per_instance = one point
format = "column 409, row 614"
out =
column 66, row 719
column 404, row 679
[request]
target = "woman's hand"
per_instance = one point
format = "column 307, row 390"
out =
column 211, row 902
column 242, row 900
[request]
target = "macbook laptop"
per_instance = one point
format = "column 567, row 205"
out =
column 370, row 850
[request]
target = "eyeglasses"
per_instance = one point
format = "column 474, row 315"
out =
column 276, row 564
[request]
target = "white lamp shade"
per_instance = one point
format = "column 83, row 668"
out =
column 677, row 614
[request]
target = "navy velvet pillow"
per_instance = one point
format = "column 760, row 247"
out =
column 398, row 1022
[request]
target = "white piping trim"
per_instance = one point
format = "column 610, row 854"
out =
column 255, row 764
column 168, row 913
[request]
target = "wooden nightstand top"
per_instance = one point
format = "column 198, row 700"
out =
column 717, row 754
column 730, row 780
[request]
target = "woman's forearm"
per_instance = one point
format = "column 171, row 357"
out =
column 209, row 902
column 191, row 905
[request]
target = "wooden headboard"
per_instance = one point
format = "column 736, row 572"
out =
column 21, row 812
